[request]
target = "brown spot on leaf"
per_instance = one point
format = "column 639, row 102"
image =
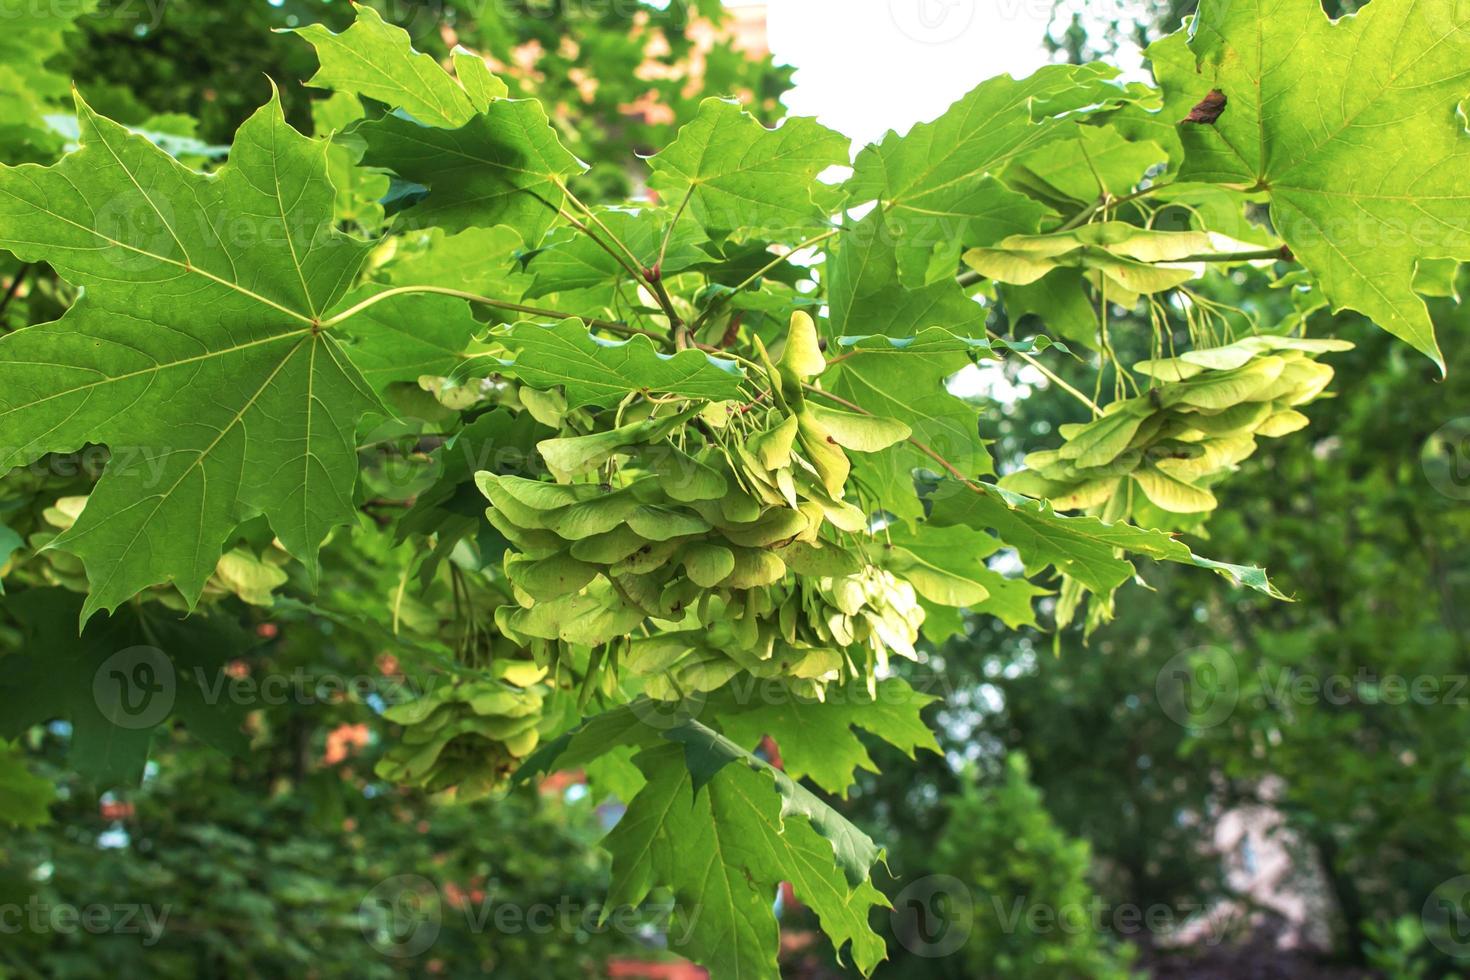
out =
column 1208, row 109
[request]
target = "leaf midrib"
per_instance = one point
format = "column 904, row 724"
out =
column 157, row 368
column 200, row 457
column 187, row 267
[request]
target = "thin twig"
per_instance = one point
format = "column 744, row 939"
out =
column 592, row 216
column 666, row 302
column 1051, row 376
column 785, row 256
column 636, row 270
column 798, row 247
column 1105, row 202
column 582, row 227
column 728, row 355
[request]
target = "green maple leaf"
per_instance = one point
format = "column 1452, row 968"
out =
column 597, row 371
column 498, row 440
column 485, row 160
column 571, row 260
column 1077, row 170
column 10, row 543
column 473, row 72
column 741, row 176
column 707, row 753
column 505, row 166
column 912, row 389
column 817, row 738
column 407, row 336
column 116, row 682
column 198, row 339
column 360, row 192
column 375, row 59
column 904, row 379
column 25, row 798
column 477, row 260
column 938, row 340
column 907, row 378
column 626, row 726
column 1083, row 548
column 947, row 567
column 34, row 33
column 722, row 829
column 866, row 295
column 1355, row 128
column 723, row 846
column 1060, row 300
column 938, row 183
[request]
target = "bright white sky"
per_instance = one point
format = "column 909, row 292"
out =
column 867, row 66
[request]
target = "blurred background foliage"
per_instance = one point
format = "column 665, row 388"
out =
column 614, row 76
column 1067, row 781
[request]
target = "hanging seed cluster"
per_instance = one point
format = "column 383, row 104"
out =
column 468, row 736
column 741, row 546
column 1199, row 419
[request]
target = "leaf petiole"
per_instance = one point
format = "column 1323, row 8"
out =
column 376, row 298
